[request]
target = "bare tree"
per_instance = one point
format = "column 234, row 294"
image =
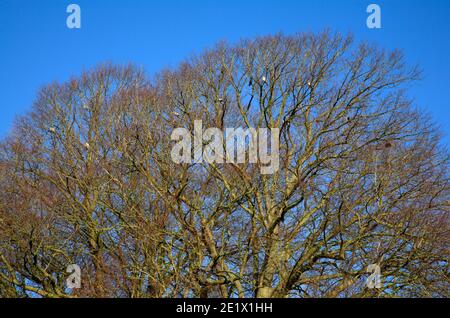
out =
column 87, row 178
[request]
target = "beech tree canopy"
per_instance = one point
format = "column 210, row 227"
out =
column 86, row 178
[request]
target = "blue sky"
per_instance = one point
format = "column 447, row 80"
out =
column 37, row 48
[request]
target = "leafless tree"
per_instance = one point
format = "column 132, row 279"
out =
column 87, row 178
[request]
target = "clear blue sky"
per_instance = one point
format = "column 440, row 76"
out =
column 37, row 48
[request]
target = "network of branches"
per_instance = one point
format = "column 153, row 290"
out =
column 86, row 178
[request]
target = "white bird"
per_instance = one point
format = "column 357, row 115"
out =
column 176, row 114
column 52, row 129
column 85, row 107
column 264, row 79
column 309, row 84
column 86, row 145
